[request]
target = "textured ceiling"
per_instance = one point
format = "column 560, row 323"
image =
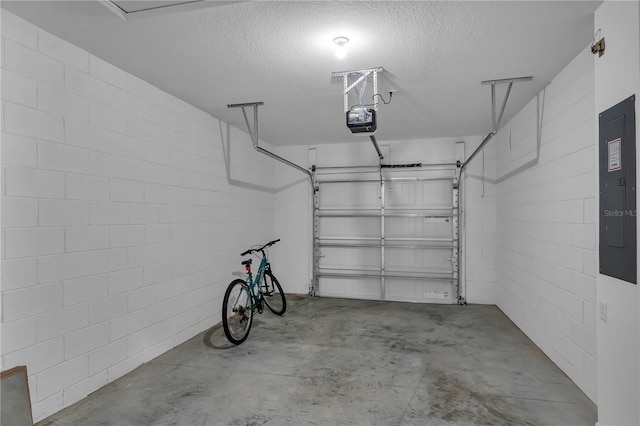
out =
column 435, row 54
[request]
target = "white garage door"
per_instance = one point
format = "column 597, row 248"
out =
column 387, row 234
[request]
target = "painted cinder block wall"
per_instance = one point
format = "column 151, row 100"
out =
column 546, row 211
column 293, row 222
column 479, row 217
column 124, row 211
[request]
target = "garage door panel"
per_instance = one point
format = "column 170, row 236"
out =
column 350, row 195
column 418, row 227
column 426, row 291
column 350, row 257
column 393, row 239
column 360, row 288
column 418, row 194
column 418, row 259
column 437, row 192
column 350, row 227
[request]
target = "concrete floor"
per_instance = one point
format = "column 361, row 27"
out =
column 336, row 361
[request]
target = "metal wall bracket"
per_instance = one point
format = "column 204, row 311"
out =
column 509, row 81
column 361, row 74
column 495, row 118
column 254, row 137
column 252, row 132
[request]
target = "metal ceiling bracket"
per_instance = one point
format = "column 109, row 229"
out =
column 252, row 132
column 362, row 75
column 509, row 81
column 495, row 120
column 254, row 136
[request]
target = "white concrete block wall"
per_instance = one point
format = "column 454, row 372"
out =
column 292, row 258
column 478, row 214
column 545, row 259
column 124, row 211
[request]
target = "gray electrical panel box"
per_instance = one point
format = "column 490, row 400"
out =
column 617, row 154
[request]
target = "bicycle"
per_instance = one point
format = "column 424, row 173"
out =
column 244, row 297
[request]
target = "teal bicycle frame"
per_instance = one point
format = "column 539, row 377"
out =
column 255, row 284
column 244, row 297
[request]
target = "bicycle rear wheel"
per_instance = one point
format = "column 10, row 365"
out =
column 273, row 294
column 237, row 315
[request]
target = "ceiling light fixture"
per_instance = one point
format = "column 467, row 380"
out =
column 341, row 46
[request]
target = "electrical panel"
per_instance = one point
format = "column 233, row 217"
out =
column 617, row 171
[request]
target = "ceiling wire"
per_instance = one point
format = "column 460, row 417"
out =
column 382, row 99
column 374, row 97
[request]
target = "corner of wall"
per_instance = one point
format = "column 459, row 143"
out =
column 546, row 239
column 617, row 76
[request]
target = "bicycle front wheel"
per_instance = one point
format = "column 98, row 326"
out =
column 273, row 294
column 237, row 312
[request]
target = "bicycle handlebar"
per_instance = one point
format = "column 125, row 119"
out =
column 269, row 244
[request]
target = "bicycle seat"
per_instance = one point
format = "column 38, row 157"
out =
column 247, row 262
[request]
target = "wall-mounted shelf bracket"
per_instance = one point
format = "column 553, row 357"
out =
column 509, row 81
column 361, row 74
column 253, row 132
column 496, row 117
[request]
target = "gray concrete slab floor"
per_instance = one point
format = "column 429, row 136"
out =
column 337, row 362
